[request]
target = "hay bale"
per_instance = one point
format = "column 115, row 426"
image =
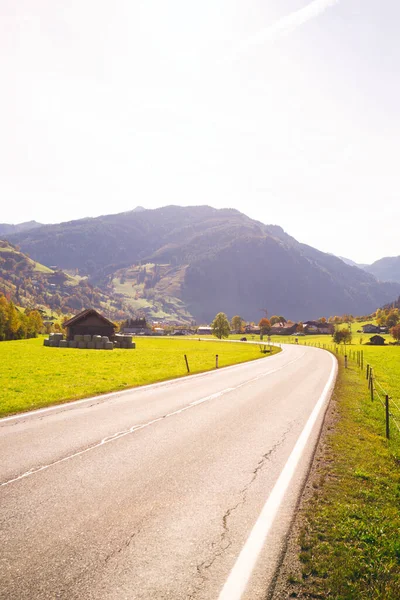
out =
column 108, row 346
column 96, row 338
column 99, row 346
column 82, row 345
column 46, row 342
column 117, row 345
column 90, row 345
column 63, row 344
column 105, row 339
column 54, row 343
column 78, row 338
column 72, row 344
column 87, row 338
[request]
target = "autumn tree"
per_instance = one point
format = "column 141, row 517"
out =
column 220, row 326
column 342, row 336
column 395, row 331
column 237, row 323
column 393, row 318
column 265, row 326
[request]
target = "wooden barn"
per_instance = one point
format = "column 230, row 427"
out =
column 89, row 322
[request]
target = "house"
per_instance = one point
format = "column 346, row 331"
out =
column 284, row 328
column 318, row 328
column 370, row 328
column 377, row 340
column 89, row 322
column 254, row 329
column 137, row 327
column 203, row 330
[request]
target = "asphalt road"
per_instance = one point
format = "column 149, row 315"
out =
column 152, row 493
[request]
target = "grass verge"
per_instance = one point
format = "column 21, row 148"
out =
column 349, row 523
column 33, row 376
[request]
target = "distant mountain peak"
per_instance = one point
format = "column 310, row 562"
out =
column 139, row 209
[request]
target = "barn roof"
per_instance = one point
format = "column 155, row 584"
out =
column 83, row 315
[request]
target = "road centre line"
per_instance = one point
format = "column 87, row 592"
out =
column 120, row 434
column 103, row 397
column 242, row 570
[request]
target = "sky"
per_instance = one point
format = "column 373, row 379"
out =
column 287, row 110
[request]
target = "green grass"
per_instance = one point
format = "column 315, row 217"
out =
column 33, row 376
column 350, row 541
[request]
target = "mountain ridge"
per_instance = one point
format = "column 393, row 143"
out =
column 212, row 259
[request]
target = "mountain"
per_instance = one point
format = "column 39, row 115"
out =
column 386, row 269
column 32, row 285
column 351, row 263
column 197, row 261
column 6, row 229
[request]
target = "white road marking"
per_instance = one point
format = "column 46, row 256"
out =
column 103, row 397
column 120, row 434
column 239, row 577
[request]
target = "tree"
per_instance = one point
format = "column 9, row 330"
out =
column 395, row 331
column 220, row 326
column 342, row 335
column 265, row 326
column 393, row 318
column 300, row 328
column 274, row 319
column 237, row 324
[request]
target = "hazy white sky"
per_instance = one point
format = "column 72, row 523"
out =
column 287, row 110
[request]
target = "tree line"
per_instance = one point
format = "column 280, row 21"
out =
column 18, row 325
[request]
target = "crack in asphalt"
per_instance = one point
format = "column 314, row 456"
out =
column 121, row 548
column 224, row 542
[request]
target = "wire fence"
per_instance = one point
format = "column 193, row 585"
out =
column 390, row 405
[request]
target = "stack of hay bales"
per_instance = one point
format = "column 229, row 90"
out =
column 95, row 342
column 55, row 340
column 124, row 341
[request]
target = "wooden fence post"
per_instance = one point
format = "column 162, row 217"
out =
column 216, row 361
column 387, row 416
column 372, row 384
column 187, row 364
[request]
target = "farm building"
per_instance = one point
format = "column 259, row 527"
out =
column 319, row 328
column 204, row 330
column 89, row 322
column 137, row 327
column 377, row 340
column 370, row 328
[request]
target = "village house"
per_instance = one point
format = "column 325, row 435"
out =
column 318, row 328
column 284, row 328
column 370, row 328
column 137, row 327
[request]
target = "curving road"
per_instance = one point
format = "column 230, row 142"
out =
column 181, row 490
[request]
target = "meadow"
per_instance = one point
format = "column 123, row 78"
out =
column 34, row 376
column 349, row 545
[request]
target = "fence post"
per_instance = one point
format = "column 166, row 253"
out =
column 372, row 384
column 362, row 359
column 387, row 416
column 187, row 364
column 345, row 361
column 367, row 373
column 216, row 361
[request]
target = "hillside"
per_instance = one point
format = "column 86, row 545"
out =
column 386, row 269
column 200, row 260
column 32, row 285
column 6, row 229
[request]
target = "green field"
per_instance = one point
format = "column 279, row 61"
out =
column 33, row 376
column 350, row 541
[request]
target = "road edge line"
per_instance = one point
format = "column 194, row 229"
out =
column 243, row 568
